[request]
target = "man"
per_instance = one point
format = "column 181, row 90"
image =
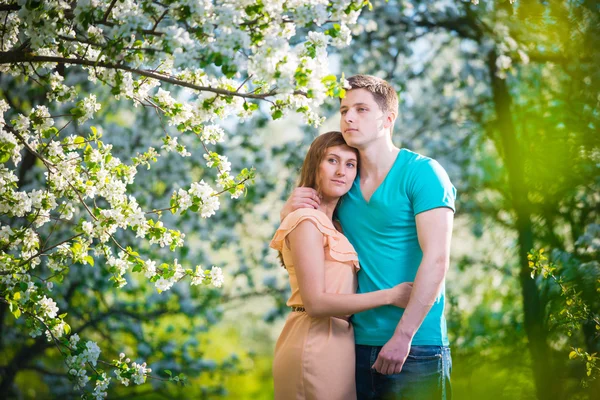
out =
column 398, row 215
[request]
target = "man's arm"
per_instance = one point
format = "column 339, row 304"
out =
column 434, row 230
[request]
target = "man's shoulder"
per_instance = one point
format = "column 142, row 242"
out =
column 425, row 171
column 416, row 161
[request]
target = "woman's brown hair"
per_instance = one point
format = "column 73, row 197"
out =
column 309, row 173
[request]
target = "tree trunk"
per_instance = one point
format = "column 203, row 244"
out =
column 533, row 309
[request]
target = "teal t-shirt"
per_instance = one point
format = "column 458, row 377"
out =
column 384, row 234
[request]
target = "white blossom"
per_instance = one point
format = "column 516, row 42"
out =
column 101, row 387
column 216, row 276
column 89, row 107
column 164, row 98
column 74, row 339
column 88, row 228
column 163, row 284
column 198, row 276
column 140, row 373
column 91, row 352
column 48, row 307
column 150, row 268
column 212, row 134
column 22, row 124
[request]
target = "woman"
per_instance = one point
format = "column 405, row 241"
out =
column 314, row 355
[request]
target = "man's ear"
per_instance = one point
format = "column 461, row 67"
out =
column 390, row 118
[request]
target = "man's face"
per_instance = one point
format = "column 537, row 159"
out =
column 362, row 121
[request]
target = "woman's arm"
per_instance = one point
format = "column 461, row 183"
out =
column 306, row 245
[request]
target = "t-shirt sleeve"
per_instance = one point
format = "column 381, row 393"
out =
column 431, row 188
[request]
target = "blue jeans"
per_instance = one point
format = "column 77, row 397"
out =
column 424, row 376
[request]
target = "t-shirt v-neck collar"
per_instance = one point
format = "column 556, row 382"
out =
column 357, row 181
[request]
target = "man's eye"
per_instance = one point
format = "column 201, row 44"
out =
column 343, row 112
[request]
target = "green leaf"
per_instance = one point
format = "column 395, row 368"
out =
column 277, row 114
column 76, row 247
column 4, row 156
column 50, row 132
column 168, row 372
column 6, row 151
column 89, row 260
column 79, row 141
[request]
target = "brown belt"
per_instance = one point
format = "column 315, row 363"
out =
column 298, row 309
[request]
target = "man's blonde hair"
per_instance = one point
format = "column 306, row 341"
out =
column 384, row 94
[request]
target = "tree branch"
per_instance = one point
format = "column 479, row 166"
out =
column 49, row 248
column 12, row 57
column 107, row 13
column 10, row 7
column 32, row 151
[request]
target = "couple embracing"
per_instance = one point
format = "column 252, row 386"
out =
column 366, row 235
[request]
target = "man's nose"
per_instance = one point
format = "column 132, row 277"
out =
column 349, row 116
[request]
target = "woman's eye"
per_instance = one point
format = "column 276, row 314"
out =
column 351, row 165
column 332, row 160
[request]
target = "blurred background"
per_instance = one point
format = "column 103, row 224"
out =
column 505, row 96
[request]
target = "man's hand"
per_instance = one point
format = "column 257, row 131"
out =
column 301, row 197
column 392, row 356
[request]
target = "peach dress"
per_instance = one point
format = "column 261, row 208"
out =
column 314, row 357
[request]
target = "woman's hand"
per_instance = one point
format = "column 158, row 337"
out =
column 401, row 294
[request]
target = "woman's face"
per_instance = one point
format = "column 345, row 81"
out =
column 337, row 171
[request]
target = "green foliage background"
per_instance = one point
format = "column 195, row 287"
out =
column 523, row 151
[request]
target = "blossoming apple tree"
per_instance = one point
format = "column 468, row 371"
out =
column 231, row 58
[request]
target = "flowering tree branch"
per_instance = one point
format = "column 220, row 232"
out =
column 22, row 56
column 217, row 59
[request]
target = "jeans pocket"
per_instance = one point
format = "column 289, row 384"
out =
column 424, row 358
column 425, row 353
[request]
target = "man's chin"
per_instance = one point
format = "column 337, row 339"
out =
column 357, row 144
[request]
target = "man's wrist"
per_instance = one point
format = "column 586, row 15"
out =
column 404, row 333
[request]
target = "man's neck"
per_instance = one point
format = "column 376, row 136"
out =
column 377, row 159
